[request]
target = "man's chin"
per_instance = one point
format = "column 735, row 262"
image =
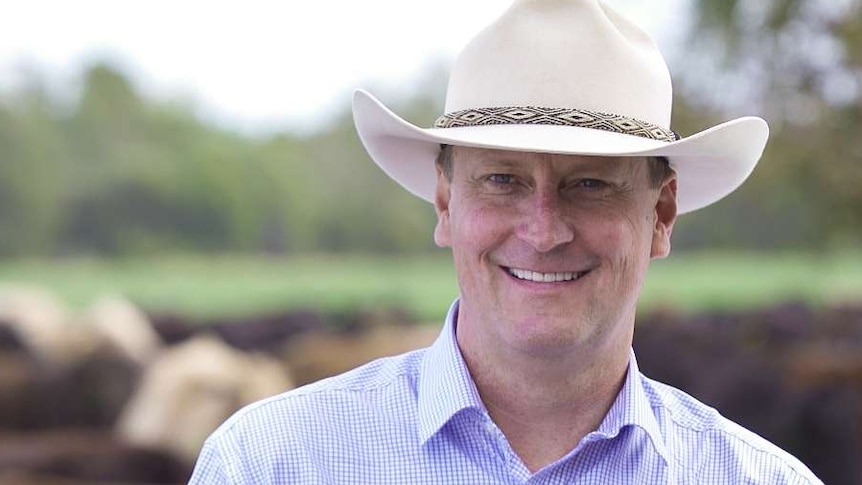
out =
column 548, row 334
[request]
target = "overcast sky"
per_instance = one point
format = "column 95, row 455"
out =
column 258, row 65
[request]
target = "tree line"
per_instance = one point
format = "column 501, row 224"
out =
column 119, row 174
column 116, row 173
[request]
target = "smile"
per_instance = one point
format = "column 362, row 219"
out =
column 525, row 274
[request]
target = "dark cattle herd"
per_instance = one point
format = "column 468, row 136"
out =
column 112, row 395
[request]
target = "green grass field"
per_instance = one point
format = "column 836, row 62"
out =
column 203, row 286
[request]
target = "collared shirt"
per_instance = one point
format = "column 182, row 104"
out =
column 418, row 418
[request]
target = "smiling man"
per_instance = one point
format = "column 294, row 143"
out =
column 556, row 179
column 551, row 252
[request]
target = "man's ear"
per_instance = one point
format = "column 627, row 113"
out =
column 665, row 217
column 442, row 195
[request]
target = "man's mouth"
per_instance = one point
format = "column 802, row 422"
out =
column 528, row 275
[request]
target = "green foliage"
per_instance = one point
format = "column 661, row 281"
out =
column 118, row 174
column 30, row 192
column 798, row 63
column 121, row 175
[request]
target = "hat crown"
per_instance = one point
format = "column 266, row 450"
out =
column 576, row 54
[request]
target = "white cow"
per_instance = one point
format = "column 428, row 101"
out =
column 191, row 388
column 42, row 323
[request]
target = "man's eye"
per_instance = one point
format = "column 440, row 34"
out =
column 501, row 178
column 592, row 184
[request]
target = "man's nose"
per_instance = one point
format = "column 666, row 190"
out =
column 545, row 225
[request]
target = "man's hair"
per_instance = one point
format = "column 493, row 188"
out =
column 659, row 167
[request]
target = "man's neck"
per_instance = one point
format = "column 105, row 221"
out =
column 545, row 407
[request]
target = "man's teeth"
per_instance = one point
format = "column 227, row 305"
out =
column 528, row 275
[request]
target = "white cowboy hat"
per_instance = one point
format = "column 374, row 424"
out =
column 570, row 77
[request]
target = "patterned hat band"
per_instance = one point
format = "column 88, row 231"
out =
column 532, row 115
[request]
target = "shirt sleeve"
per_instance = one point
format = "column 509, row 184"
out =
column 210, row 468
column 241, row 454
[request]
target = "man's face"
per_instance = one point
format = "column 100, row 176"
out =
column 550, row 250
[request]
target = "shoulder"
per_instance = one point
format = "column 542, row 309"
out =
column 291, row 431
column 383, row 382
column 708, row 447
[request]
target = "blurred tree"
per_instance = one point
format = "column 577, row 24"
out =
column 117, row 173
column 358, row 207
column 30, row 194
column 152, row 176
column 799, row 63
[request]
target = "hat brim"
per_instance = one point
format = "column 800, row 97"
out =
column 709, row 164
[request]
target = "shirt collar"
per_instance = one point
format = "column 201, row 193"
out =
column 633, row 407
column 445, row 385
column 446, row 388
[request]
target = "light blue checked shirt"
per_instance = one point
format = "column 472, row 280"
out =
column 417, row 418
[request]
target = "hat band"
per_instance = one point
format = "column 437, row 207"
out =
column 533, row 115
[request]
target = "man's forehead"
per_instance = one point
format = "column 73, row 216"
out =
column 524, row 158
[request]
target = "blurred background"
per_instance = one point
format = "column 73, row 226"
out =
column 184, row 203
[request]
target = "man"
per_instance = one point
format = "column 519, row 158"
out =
column 556, row 179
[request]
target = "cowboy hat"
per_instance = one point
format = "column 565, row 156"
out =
column 566, row 77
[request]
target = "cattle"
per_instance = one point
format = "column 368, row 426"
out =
column 191, row 388
column 79, row 456
column 110, row 380
column 122, row 326
column 60, row 370
column 791, row 373
column 42, row 325
column 315, row 355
